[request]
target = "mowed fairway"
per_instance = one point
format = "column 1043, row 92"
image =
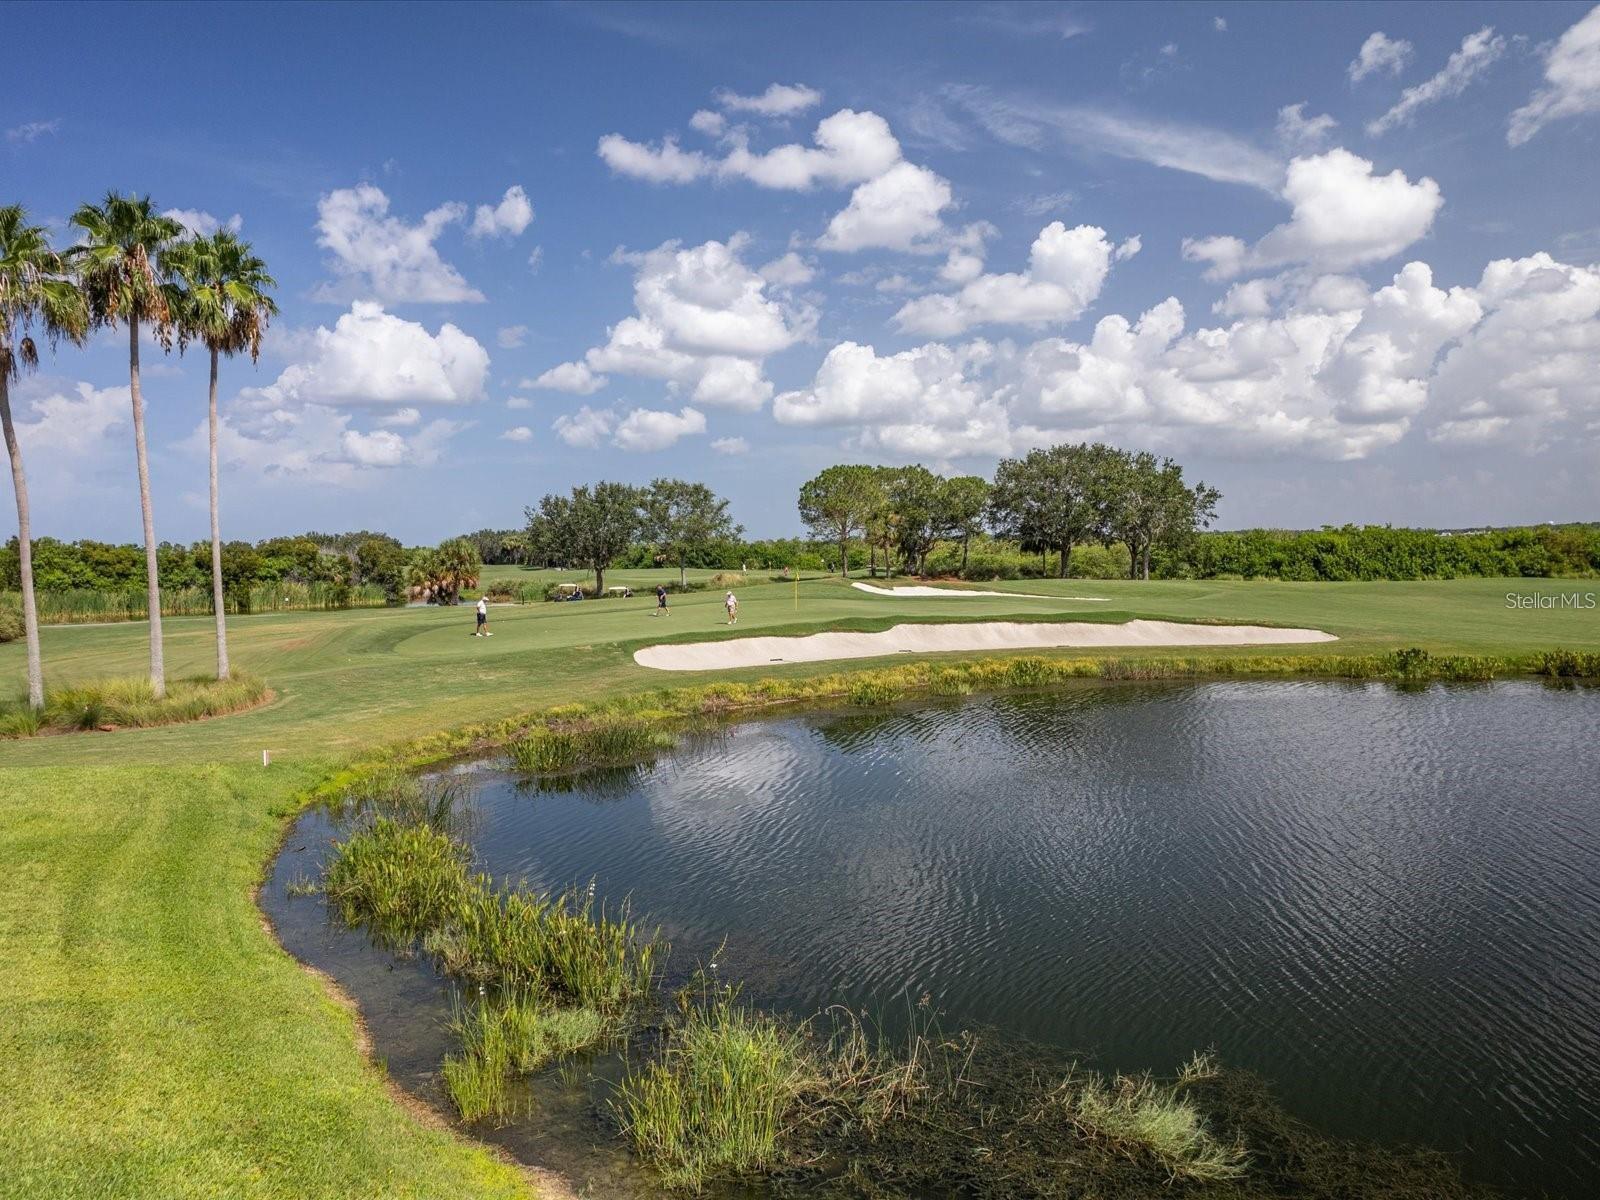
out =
column 157, row 1042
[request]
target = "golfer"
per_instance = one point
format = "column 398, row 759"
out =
column 661, row 602
column 731, row 603
column 483, row 618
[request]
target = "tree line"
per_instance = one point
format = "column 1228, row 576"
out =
column 135, row 269
column 593, row 525
column 1050, row 500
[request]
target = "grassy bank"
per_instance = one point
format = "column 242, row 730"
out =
column 158, row 1043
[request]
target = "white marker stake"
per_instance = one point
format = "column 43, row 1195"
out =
column 266, row 758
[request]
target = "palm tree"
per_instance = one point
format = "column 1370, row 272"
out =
column 219, row 296
column 120, row 265
column 33, row 287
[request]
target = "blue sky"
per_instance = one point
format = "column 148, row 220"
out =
column 1343, row 261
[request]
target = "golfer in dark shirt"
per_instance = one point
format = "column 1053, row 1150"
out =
column 661, row 601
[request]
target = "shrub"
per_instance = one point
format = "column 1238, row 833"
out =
column 726, row 579
column 10, row 623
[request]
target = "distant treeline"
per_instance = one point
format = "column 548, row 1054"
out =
column 1381, row 552
column 98, row 581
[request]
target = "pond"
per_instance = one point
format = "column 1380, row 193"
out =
column 1385, row 901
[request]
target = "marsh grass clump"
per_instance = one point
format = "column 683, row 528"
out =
column 873, row 691
column 516, row 940
column 442, row 804
column 505, row 1037
column 130, row 704
column 719, row 1099
column 1140, row 1116
column 397, row 880
column 556, row 748
column 1568, row 664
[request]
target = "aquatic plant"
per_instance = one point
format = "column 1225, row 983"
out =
column 502, row 1037
column 872, row 691
column 1568, row 664
column 552, row 748
column 397, row 880
column 513, row 940
column 1139, row 1115
column 719, row 1098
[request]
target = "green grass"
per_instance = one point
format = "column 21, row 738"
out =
column 158, row 1043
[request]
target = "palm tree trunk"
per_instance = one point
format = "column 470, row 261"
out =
column 683, row 573
column 158, row 669
column 30, row 611
column 216, row 536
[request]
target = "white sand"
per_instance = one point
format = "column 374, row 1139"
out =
column 915, row 590
column 933, row 639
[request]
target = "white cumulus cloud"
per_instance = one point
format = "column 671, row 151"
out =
column 509, row 218
column 645, row 430
column 373, row 358
column 1343, row 215
column 1300, row 132
column 586, row 428
column 703, row 323
column 380, row 257
column 1066, row 270
column 730, row 445
column 517, row 433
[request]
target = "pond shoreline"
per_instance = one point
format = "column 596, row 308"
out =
column 761, row 703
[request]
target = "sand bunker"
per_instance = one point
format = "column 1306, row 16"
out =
column 949, row 593
column 933, row 639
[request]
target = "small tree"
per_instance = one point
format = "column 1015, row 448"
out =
column 835, row 506
column 1148, row 504
column 680, row 518
column 1046, row 500
column 382, row 562
column 962, row 501
column 915, row 496
column 589, row 528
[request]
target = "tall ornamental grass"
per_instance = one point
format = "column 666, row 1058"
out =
column 131, row 704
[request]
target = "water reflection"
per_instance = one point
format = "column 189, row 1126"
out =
column 1388, row 902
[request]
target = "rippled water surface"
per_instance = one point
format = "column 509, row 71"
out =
column 1387, row 902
